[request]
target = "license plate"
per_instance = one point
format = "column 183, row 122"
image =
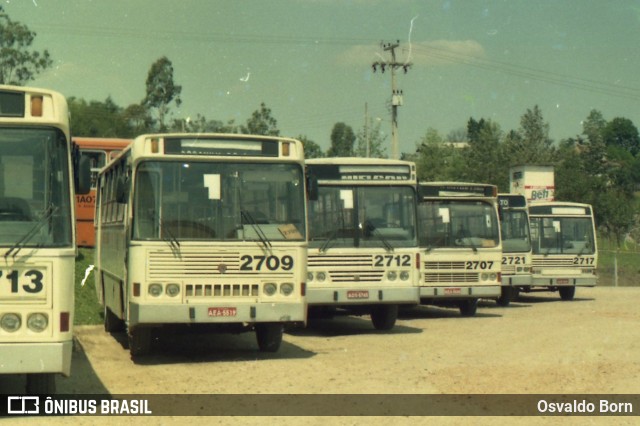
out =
column 453, row 290
column 358, row 294
column 223, row 312
column 562, row 281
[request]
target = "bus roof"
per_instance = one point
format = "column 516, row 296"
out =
column 101, row 143
column 39, row 107
column 457, row 189
column 560, row 208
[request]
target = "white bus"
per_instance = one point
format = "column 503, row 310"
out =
column 565, row 252
column 363, row 250
column 37, row 240
column 202, row 230
column 516, row 246
column 459, row 236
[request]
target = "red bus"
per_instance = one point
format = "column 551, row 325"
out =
column 99, row 151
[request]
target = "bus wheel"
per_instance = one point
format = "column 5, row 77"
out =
column 140, row 341
column 41, row 384
column 112, row 323
column 468, row 308
column 269, row 336
column 384, row 317
column 505, row 296
column 567, row 293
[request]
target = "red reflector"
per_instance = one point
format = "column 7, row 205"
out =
column 303, row 289
column 136, row 289
column 64, row 321
column 418, row 260
column 499, row 277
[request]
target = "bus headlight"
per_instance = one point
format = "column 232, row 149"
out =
column 493, row 276
column 10, row 322
column 155, row 290
column 392, row 275
column 286, row 289
column 37, row 322
column 270, row 289
column 484, row 276
column 404, row 275
column 309, row 276
column 321, row 276
column 173, row 290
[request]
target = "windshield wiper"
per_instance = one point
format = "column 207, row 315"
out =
column 325, row 246
column 25, row 239
column 371, row 228
column 170, row 239
column 246, row 216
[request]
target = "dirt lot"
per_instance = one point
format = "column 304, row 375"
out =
column 538, row 345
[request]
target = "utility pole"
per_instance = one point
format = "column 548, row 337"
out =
column 396, row 95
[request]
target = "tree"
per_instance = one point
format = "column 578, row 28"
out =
column 18, row 64
column 311, row 149
column 436, row 160
column 98, row 119
column 370, row 141
column 483, row 156
column 531, row 143
column 161, row 89
column 261, row 123
column 200, row 124
column 621, row 133
column 342, row 141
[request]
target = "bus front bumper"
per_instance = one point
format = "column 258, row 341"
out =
column 516, row 280
column 361, row 295
column 216, row 312
column 460, row 292
column 23, row 357
column 566, row 281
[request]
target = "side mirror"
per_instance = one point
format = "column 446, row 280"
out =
column 83, row 176
column 312, row 188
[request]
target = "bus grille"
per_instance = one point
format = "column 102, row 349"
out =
column 224, row 290
column 508, row 269
column 451, row 277
column 444, row 265
column 566, row 262
column 164, row 265
column 340, row 261
column 357, row 276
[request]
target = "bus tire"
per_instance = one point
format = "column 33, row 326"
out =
column 269, row 336
column 384, row 317
column 112, row 324
column 41, row 384
column 505, row 297
column 140, row 341
column 567, row 293
column 469, row 307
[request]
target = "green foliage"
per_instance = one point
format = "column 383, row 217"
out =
column 342, row 141
column 161, row 90
column 311, row 149
column 531, row 143
column 261, row 123
column 437, row 160
column 621, row 133
column 18, row 64
column 98, row 119
column 484, row 154
column 370, row 141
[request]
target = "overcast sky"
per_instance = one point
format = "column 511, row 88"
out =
column 310, row 60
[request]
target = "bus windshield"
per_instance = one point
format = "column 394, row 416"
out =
column 34, row 188
column 221, row 201
column 562, row 235
column 515, row 232
column 458, row 224
column 366, row 216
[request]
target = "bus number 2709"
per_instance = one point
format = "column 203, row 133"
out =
column 271, row 263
